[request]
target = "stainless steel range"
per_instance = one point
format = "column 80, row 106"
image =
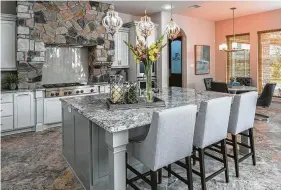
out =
column 69, row 89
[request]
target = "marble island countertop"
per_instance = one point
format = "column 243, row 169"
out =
column 95, row 109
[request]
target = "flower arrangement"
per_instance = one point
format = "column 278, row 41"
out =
column 147, row 55
column 143, row 53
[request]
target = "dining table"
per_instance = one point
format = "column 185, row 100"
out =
column 241, row 89
column 95, row 139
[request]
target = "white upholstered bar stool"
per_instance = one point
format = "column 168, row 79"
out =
column 170, row 138
column 241, row 122
column 211, row 128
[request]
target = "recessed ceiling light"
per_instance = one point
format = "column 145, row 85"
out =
column 167, row 7
column 194, row 6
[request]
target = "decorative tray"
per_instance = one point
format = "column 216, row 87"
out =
column 157, row 102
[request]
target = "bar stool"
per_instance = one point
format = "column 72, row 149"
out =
column 211, row 128
column 170, row 138
column 241, row 122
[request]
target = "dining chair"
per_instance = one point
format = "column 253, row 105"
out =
column 265, row 99
column 219, row 87
column 245, row 81
column 207, row 82
column 167, row 141
column 241, row 122
column 211, row 128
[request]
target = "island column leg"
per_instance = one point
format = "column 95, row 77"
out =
column 116, row 159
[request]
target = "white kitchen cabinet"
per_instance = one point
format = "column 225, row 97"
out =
column 7, row 123
column 8, row 42
column 24, row 110
column 121, row 49
column 52, row 110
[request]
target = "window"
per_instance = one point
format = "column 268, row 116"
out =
column 238, row 62
column 270, row 59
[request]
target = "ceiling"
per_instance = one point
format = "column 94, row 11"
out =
column 209, row 10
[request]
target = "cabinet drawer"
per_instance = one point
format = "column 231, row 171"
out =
column 6, row 98
column 7, row 123
column 6, row 109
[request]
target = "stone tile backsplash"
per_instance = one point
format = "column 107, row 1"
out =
column 62, row 23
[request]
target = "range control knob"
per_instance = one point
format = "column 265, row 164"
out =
column 77, row 92
column 82, row 91
column 52, row 94
column 57, row 94
column 69, row 92
column 92, row 90
column 65, row 93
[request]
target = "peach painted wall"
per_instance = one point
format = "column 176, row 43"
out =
column 246, row 24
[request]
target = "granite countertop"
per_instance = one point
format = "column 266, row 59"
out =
column 22, row 90
column 95, row 109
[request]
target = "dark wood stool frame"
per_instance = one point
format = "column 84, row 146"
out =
column 202, row 153
column 153, row 175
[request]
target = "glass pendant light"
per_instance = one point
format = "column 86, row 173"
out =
column 234, row 44
column 172, row 28
column 145, row 26
column 112, row 22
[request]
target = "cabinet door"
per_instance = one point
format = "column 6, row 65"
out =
column 124, row 50
column 115, row 63
column 7, row 123
column 8, row 45
column 52, row 110
column 23, row 110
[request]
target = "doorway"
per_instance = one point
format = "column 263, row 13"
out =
column 175, row 62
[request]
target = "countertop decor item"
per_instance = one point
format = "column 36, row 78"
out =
column 147, row 55
column 112, row 22
column 12, row 81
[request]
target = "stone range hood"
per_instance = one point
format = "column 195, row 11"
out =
column 60, row 23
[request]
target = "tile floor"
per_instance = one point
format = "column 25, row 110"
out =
column 33, row 161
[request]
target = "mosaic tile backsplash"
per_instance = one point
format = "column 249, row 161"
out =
column 61, row 23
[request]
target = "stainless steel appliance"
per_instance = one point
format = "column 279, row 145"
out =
column 69, row 89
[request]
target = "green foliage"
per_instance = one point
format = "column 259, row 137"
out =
column 12, row 79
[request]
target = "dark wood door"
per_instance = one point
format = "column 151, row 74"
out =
column 175, row 62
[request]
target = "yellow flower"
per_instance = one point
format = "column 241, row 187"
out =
column 156, row 50
column 152, row 58
column 152, row 46
column 151, row 52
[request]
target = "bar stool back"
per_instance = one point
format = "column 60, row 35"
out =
column 241, row 122
column 170, row 138
column 211, row 128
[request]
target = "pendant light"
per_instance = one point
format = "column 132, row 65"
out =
column 112, row 22
column 145, row 26
column 172, row 28
column 234, row 45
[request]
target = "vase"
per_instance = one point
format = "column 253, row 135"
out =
column 12, row 86
column 149, row 93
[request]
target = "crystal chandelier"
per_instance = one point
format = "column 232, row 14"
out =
column 145, row 26
column 234, row 45
column 172, row 28
column 112, row 22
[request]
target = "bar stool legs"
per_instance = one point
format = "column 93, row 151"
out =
column 235, row 153
column 225, row 161
column 202, row 168
column 233, row 142
column 202, row 174
column 189, row 173
column 153, row 177
column 251, row 134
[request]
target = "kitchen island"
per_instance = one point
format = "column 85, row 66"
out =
column 95, row 139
